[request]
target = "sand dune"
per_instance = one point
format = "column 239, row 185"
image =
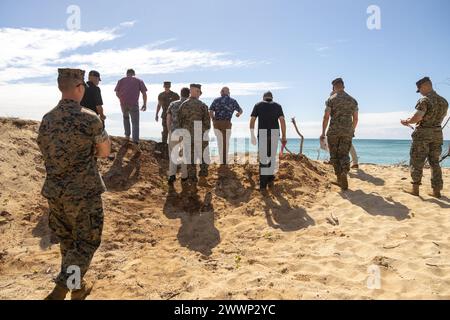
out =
column 305, row 240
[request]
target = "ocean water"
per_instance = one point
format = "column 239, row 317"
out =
column 383, row 152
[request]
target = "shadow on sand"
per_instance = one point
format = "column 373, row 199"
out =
column 364, row 176
column 443, row 202
column 376, row 205
column 197, row 232
column 230, row 187
column 122, row 177
column 283, row 216
column 43, row 231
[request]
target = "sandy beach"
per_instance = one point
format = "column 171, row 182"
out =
column 305, row 240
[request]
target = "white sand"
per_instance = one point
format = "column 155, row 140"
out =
column 283, row 246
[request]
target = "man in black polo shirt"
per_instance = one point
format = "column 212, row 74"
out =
column 93, row 96
column 270, row 117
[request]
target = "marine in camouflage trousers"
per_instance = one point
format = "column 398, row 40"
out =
column 421, row 150
column 165, row 132
column 202, row 151
column 340, row 153
column 78, row 224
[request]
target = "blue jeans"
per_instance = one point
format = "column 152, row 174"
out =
column 133, row 113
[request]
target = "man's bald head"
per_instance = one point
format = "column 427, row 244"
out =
column 225, row 91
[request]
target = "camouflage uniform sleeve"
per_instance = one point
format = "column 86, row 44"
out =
column 422, row 107
column 41, row 132
column 356, row 109
column 445, row 104
column 98, row 133
column 180, row 116
column 206, row 118
column 169, row 109
column 328, row 105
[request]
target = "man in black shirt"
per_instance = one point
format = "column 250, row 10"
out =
column 93, row 96
column 270, row 117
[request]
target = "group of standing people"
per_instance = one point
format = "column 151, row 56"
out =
column 188, row 121
column 72, row 136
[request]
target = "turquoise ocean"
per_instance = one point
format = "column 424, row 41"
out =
column 383, row 152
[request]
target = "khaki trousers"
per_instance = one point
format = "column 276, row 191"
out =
column 223, row 140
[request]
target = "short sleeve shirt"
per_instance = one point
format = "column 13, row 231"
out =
column 267, row 114
column 224, row 107
column 129, row 89
column 67, row 138
column 341, row 107
column 166, row 98
column 173, row 111
column 92, row 97
column 433, row 108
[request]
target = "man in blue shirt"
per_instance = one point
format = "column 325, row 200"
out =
column 221, row 112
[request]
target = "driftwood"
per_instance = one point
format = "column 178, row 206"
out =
column 445, row 156
column 302, row 139
column 286, row 148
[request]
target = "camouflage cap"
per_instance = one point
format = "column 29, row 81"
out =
column 167, row 83
column 337, row 81
column 196, row 85
column 74, row 74
column 421, row 82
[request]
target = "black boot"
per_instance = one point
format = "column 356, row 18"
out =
column 172, row 180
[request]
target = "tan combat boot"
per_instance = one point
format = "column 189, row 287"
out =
column 414, row 190
column 58, row 293
column 82, row 293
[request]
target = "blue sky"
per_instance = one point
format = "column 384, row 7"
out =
column 293, row 47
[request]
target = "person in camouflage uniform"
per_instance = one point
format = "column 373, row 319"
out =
column 164, row 100
column 427, row 137
column 192, row 113
column 70, row 137
column 342, row 109
column 174, row 141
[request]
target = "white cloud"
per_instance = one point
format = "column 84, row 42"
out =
column 371, row 126
column 128, row 24
column 148, row 60
column 324, row 48
column 29, row 53
column 46, row 96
